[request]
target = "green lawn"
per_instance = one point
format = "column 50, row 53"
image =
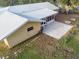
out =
column 72, row 40
column 30, row 52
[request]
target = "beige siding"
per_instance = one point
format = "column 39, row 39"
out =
column 22, row 34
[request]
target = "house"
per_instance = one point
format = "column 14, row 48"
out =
column 15, row 29
column 20, row 22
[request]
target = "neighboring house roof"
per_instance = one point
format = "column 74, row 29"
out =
column 9, row 23
column 32, row 7
column 41, row 13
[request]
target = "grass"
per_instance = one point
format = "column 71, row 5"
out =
column 30, row 52
column 74, row 43
column 72, row 40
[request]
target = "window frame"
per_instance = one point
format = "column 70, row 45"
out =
column 30, row 29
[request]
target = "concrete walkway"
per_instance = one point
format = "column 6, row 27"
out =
column 56, row 29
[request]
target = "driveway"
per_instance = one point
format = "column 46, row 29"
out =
column 56, row 29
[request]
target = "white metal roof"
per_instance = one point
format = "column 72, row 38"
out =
column 9, row 23
column 32, row 19
column 3, row 9
column 32, row 7
column 40, row 13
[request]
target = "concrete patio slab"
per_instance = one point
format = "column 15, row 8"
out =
column 56, row 29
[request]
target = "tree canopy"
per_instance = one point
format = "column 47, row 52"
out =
column 16, row 2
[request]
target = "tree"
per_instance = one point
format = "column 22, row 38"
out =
column 12, row 2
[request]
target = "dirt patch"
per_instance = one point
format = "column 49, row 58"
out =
column 51, row 48
column 65, row 17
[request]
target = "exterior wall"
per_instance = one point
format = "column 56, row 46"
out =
column 22, row 34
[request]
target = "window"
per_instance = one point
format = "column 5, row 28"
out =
column 48, row 18
column 43, row 18
column 52, row 17
column 30, row 28
column 43, row 23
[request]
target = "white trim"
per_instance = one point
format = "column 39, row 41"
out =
column 6, row 42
